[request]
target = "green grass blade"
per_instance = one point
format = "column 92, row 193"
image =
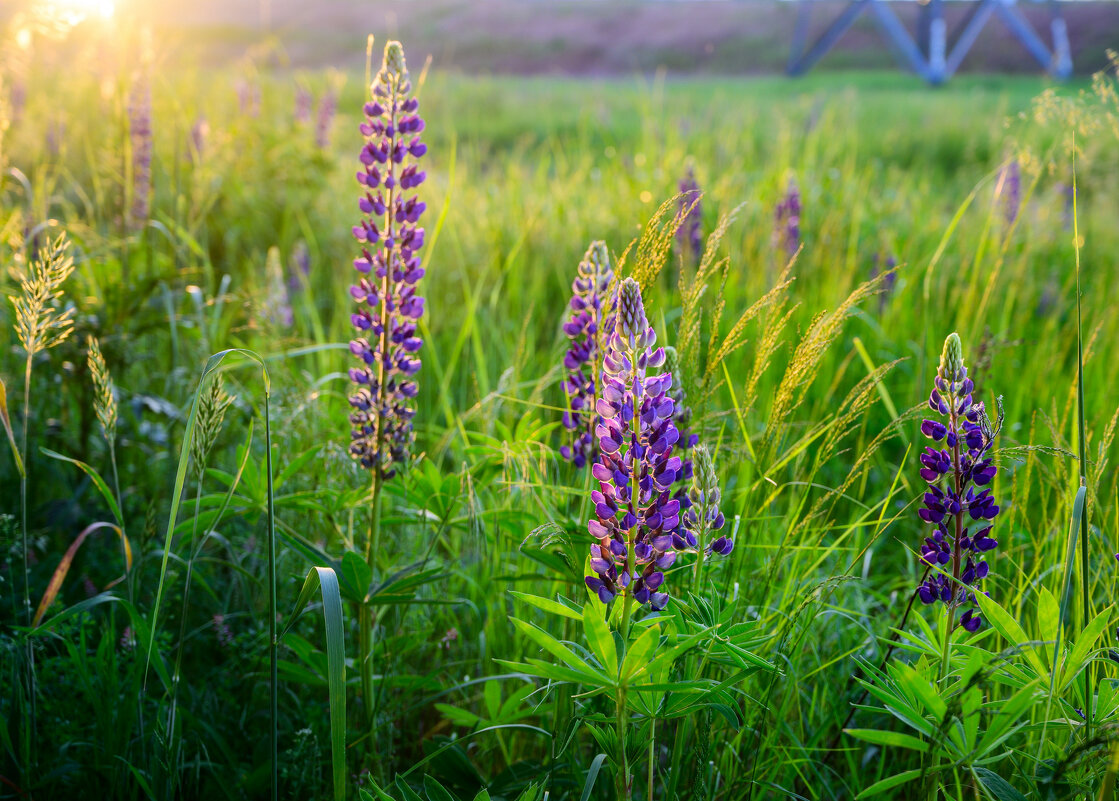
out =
column 325, row 580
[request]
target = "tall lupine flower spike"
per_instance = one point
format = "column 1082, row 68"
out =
column 389, row 267
column 690, row 232
column 591, row 319
column 635, row 514
column 140, row 137
column 703, row 517
column 787, row 220
column 955, row 476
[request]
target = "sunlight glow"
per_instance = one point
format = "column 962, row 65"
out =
column 72, row 12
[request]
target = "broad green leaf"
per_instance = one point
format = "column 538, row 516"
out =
column 639, row 653
column 894, row 738
column 1008, row 716
column 1010, row 630
column 357, row 575
column 998, row 787
column 1048, row 615
column 561, row 652
column 435, row 791
column 890, row 783
column 1084, row 644
column 600, row 639
column 548, row 605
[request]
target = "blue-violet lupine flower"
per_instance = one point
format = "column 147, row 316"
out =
column 787, row 220
column 389, row 267
column 690, row 232
column 635, row 514
column 703, row 517
column 140, row 138
column 959, row 477
column 592, row 318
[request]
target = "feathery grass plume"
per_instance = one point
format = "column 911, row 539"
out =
column 40, row 325
column 104, row 401
column 634, row 512
column 708, row 357
column 40, row 322
column 690, row 233
column 653, row 248
column 140, row 138
column 786, row 218
column 804, row 364
column 213, row 403
column 954, row 480
column 390, row 270
column 592, row 318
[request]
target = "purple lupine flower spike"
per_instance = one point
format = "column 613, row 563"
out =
column 959, row 494
column 889, row 282
column 592, row 318
column 199, row 133
column 389, row 268
column 302, row 113
column 324, row 123
column 787, row 220
column 703, row 518
column 140, row 138
column 1009, row 190
column 690, row 232
column 635, row 514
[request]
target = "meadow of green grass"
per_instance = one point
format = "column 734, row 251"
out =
column 137, row 688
